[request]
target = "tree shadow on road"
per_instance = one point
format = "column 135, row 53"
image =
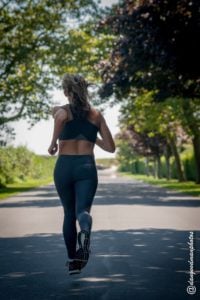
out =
column 125, row 193
column 129, row 264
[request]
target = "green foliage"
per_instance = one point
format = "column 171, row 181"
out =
column 156, row 48
column 85, row 51
column 189, row 165
column 138, row 166
column 157, row 56
column 43, row 166
column 125, row 154
column 19, row 164
column 127, row 158
column 33, row 38
column 146, row 115
column 5, row 167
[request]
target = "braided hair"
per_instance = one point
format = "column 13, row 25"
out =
column 77, row 86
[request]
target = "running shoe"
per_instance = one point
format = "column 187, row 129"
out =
column 74, row 266
column 82, row 254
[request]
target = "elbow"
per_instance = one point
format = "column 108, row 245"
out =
column 113, row 147
column 109, row 146
column 112, row 150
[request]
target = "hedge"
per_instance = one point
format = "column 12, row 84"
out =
column 20, row 164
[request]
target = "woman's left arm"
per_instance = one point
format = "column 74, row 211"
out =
column 60, row 117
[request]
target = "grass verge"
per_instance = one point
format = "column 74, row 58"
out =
column 15, row 188
column 188, row 187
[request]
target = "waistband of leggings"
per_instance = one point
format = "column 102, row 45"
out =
column 77, row 155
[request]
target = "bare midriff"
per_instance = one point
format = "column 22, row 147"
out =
column 76, row 147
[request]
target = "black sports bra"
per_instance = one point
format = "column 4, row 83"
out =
column 79, row 129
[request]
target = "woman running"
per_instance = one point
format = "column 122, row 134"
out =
column 76, row 125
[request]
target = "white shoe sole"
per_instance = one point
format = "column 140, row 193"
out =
column 74, row 272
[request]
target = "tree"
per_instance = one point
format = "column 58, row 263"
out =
column 142, row 144
column 157, row 50
column 85, row 51
column 163, row 118
column 31, row 35
column 125, row 153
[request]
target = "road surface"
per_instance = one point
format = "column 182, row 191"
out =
column 139, row 244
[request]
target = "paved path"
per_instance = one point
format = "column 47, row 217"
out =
column 139, row 244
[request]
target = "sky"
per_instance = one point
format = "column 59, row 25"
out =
column 108, row 2
column 38, row 138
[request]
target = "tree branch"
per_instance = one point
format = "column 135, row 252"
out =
column 4, row 120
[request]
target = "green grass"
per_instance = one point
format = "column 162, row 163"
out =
column 188, row 187
column 15, row 188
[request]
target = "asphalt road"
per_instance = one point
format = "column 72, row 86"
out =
column 139, row 244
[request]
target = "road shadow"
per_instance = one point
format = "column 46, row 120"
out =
column 129, row 264
column 110, row 193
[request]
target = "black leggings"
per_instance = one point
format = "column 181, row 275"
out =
column 76, row 181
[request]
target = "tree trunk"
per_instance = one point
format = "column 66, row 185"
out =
column 196, row 145
column 180, row 172
column 167, row 159
column 158, row 166
column 155, row 168
column 193, row 125
column 147, row 166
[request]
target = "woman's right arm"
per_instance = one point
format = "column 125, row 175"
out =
column 60, row 116
column 106, row 143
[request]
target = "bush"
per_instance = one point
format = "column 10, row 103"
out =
column 19, row 164
column 189, row 165
column 6, row 167
column 138, row 166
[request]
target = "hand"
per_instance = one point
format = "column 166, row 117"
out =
column 53, row 148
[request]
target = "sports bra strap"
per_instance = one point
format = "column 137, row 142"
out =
column 69, row 111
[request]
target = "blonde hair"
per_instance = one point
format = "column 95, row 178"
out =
column 77, row 86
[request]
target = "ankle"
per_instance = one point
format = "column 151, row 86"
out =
column 70, row 259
